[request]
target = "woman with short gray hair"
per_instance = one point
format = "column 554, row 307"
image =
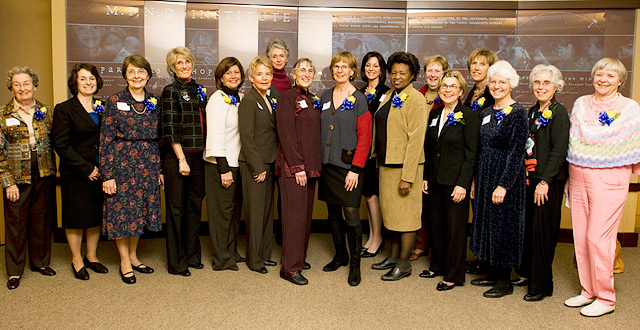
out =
column 278, row 53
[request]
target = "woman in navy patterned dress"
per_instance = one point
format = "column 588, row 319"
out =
column 130, row 163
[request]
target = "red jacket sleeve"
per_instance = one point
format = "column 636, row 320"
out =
column 363, row 130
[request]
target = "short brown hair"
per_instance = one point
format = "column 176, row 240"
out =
column 137, row 61
column 489, row 54
column 224, row 66
column 437, row 59
column 348, row 58
column 73, row 77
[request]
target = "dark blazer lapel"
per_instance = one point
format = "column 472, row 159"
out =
column 263, row 104
column 77, row 107
column 446, row 128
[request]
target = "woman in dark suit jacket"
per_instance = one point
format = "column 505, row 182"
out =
column 452, row 142
column 75, row 135
column 258, row 152
column 547, row 173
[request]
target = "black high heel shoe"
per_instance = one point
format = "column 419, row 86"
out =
column 367, row 254
column 81, row 274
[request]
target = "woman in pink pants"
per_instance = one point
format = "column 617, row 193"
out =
column 604, row 149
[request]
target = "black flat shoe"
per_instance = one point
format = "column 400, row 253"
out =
column 81, row 274
column 520, row 282
column 261, row 270
column 484, row 282
column 95, row 266
column 367, row 254
column 184, row 273
column 444, row 287
column 535, row 297
column 306, row 266
column 13, row 283
column 144, row 270
column 270, row 263
column 46, row 270
column 195, row 266
column 384, row 264
column 428, row 274
column 296, row 279
column 395, row 274
column 334, row 264
column 498, row 292
column 129, row 280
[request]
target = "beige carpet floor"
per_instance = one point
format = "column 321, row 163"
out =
column 248, row 300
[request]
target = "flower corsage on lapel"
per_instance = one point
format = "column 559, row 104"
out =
column 398, row 100
column 150, row 104
column 274, row 103
column 607, row 117
column 316, row 102
column 503, row 112
column 97, row 106
column 347, row 104
column 229, row 99
column 478, row 103
column 545, row 117
column 40, row 113
column 454, row 118
column 370, row 94
column 202, row 93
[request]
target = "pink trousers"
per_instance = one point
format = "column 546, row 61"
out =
column 596, row 198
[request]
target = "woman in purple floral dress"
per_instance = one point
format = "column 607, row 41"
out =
column 130, row 163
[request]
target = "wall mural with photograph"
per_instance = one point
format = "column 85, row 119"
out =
column 105, row 32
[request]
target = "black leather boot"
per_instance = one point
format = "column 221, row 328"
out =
column 354, row 237
column 342, row 257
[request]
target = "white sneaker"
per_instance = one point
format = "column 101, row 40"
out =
column 578, row 301
column 597, row 308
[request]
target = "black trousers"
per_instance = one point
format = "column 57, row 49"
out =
column 27, row 222
column 224, row 207
column 258, row 207
column 448, row 233
column 183, row 200
column 542, row 224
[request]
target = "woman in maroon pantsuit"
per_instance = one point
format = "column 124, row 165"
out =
column 297, row 167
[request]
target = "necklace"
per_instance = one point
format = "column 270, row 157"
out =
column 608, row 101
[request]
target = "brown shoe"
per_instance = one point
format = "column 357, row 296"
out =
column 415, row 256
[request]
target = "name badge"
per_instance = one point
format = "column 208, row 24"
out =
column 12, row 122
column 123, row 106
column 486, row 120
column 382, row 97
column 326, row 106
column 434, row 122
column 259, row 106
column 303, row 104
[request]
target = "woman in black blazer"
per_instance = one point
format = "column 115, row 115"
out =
column 75, row 135
column 547, row 173
column 451, row 145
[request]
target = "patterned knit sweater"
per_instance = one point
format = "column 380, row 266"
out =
column 596, row 145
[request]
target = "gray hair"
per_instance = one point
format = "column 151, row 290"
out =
column 504, row 69
column 552, row 70
column 277, row 43
column 613, row 64
column 18, row 70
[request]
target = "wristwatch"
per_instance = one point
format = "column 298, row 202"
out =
column 542, row 182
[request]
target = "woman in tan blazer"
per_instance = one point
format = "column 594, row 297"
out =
column 400, row 126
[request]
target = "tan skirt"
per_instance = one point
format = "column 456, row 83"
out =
column 400, row 212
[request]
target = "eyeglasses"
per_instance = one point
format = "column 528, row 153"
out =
column 26, row 84
column 445, row 86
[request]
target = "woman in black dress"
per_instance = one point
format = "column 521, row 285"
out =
column 345, row 140
column 374, row 72
column 75, row 135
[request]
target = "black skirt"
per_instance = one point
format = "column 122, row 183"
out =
column 371, row 182
column 331, row 188
column 82, row 201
